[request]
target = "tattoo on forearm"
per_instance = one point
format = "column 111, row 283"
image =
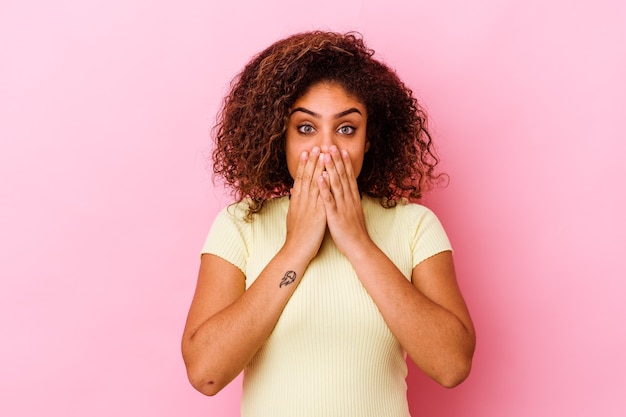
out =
column 289, row 278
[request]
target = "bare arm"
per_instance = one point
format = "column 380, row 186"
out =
column 428, row 316
column 227, row 324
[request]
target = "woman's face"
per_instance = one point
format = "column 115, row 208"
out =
column 327, row 115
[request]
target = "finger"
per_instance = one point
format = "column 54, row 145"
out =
column 334, row 176
column 339, row 163
column 297, row 181
column 317, row 173
column 345, row 171
column 309, row 169
column 351, row 177
column 323, row 184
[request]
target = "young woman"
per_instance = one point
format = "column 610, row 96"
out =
column 325, row 273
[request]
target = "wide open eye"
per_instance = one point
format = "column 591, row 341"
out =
column 346, row 130
column 306, row 128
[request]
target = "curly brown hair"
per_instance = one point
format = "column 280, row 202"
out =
column 249, row 153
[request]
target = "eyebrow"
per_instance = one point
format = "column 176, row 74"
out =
column 318, row 116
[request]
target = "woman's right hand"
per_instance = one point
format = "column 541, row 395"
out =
column 306, row 217
column 227, row 323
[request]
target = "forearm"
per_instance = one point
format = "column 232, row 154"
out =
column 436, row 339
column 227, row 324
column 218, row 350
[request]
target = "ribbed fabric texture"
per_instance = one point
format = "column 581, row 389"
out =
column 331, row 353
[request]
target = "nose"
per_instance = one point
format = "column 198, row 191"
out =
column 327, row 139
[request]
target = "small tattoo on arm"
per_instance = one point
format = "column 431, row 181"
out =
column 289, row 278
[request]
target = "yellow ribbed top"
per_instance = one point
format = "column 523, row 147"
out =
column 331, row 353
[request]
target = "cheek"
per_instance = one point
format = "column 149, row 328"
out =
column 356, row 157
column 357, row 164
column 292, row 166
column 292, row 156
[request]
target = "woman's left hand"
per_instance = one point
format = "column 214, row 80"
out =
column 427, row 314
column 342, row 201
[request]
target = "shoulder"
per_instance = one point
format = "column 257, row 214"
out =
column 411, row 220
column 239, row 211
column 236, row 211
column 402, row 212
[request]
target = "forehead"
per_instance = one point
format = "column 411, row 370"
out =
column 330, row 92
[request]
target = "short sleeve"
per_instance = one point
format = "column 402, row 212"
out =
column 429, row 237
column 229, row 236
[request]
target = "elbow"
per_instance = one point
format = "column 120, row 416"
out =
column 199, row 375
column 208, row 388
column 204, row 384
column 456, row 373
column 454, row 377
column 449, row 370
column 459, row 365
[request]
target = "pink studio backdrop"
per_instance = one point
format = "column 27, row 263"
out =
column 105, row 108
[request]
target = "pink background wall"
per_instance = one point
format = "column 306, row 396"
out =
column 105, row 108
